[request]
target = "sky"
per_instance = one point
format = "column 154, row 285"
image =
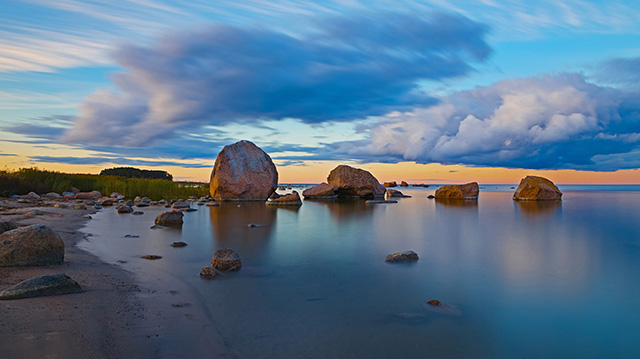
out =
column 423, row 91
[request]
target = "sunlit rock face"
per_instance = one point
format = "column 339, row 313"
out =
column 321, row 191
column 534, row 188
column 467, row 191
column 354, row 182
column 243, row 172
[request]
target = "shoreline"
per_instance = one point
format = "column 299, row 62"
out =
column 116, row 315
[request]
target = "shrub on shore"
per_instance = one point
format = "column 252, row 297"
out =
column 26, row 180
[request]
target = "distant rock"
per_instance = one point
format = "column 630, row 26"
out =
column 84, row 195
column 137, row 213
column 226, row 260
column 354, row 182
column 106, row 201
column 209, row 273
column 292, row 199
column 402, row 257
column 534, row 188
column 53, row 195
column 178, row 244
column 321, row 191
column 390, row 184
column 30, row 195
column 467, row 191
column 95, row 194
column 124, row 209
column 151, row 257
column 242, row 172
column 404, row 184
column 34, row 245
column 68, row 195
column 180, row 204
column 170, row 218
column 7, row 226
column 45, row 285
column 142, row 204
column 117, row 196
column 212, row 204
column 379, row 201
column 431, row 196
column 74, row 190
column 395, row 193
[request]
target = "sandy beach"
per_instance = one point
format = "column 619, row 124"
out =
column 115, row 317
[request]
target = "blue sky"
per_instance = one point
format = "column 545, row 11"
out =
column 545, row 85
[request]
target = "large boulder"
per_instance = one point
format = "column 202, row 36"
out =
column 226, row 260
column 321, row 191
column 169, row 218
column 243, row 172
column 34, row 245
column 44, row 285
column 354, row 182
column 467, row 191
column 534, row 188
column 292, row 199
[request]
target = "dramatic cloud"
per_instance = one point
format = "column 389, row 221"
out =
column 548, row 122
column 344, row 69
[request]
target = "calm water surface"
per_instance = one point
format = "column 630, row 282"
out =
column 519, row 280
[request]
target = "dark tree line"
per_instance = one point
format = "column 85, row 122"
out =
column 131, row 172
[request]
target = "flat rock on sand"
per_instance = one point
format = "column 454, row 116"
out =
column 41, row 286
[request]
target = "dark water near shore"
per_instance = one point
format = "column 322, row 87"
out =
column 519, row 280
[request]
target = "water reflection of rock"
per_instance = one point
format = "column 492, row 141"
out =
column 538, row 208
column 457, row 204
column 342, row 209
column 245, row 227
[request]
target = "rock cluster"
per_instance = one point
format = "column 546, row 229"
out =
column 243, row 171
column 467, row 191
column 534, row 188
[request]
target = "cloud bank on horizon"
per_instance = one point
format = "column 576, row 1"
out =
column 348, row 68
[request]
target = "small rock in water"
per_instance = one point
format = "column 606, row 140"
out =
column 155, row 226
column 406, row 256
column 86, row 216
column 169, row 218
column 226, row 260
column 178, row 244
column 431, row 196
column 209, row 273
column 151, row 256
column 212, row 204
column 434, row 302
column 138, row 213
column 253, row 225
column 131, row 236
column 189, row 210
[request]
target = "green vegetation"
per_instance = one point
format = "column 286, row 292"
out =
column 131, row 172
column 25, row 180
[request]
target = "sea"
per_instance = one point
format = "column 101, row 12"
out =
column 556, row 279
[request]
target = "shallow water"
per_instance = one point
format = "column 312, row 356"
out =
column 518, row 280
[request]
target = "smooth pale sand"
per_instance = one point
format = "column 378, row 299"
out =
column 115, row 316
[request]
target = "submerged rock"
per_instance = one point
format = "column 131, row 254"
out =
column 151, row 257
column 243, row 171
column 292, row 199
column 402, row 257
column 467, row 191
column 354, row 182
column 226, row 260
column 395, row 193
column 170, row 218
column 321, row 191
column 534, row 188
column 45, row 285
column 34, row 245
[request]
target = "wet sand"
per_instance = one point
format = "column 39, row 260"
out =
column 115, row 316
